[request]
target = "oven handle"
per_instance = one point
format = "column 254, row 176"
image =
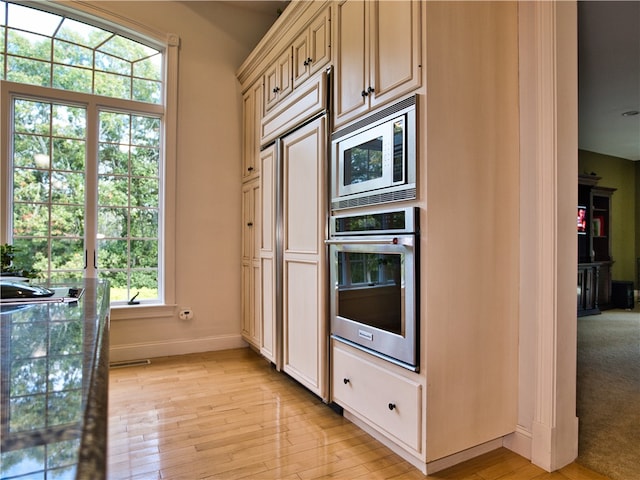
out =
column 404, row 241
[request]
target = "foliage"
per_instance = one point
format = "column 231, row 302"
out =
column 118, row 68
column 8, row 254
column 50, row 164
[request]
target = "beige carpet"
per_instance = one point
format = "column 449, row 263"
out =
column 608, row 390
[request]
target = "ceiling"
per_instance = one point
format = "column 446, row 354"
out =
column 609, row 77
column 267, row 7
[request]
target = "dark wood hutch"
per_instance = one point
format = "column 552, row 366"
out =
column 594, row 245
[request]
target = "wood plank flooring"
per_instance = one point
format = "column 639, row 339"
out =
column 229, row 415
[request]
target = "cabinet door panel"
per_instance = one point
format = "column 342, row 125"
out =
column 252, row 113
column 255, row 321
column 284, row 74
column 247, row 299
column 302, row 199
column 304, row 279
column 267, row 252
column 248, row 214
column 320, row 42
column 395, row 49
column 256, row 227
column 251, row 232
column 351, row 60
column 312, row 49
column 268, row 199
column 301, row 53
column 277, row 80
column 271, row 87
column 268, row 346
column 302, row 336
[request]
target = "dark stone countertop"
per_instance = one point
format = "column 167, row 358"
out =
column 54, row 370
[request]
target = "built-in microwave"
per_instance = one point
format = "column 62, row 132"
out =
column 374, row 159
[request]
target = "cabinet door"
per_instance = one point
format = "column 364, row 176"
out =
column 271, row 87
column 320, row 42
column 278, row 81
column 395, row 50
column 252, row 113
column 301, row 55
column 351, row 62
column 304, row 278
column 267, row 253
column 248, row 219
column 251, row 302
column 312, row 49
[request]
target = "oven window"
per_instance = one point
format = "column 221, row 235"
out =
column 363, row 162
column 370, row 289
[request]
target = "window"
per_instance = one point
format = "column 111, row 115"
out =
column 48, row 194
column 51, row 50
column 86, row 133
column 128, row 203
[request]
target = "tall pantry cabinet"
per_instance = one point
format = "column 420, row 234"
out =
column 252, row 106
column 291, row 202
column 463, row 399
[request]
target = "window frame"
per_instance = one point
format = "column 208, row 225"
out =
column 169, row 44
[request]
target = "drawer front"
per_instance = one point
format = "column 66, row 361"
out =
column 389, row 401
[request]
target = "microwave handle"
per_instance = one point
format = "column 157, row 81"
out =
column 405, row 241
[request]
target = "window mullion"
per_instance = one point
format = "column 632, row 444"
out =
column 91, row 197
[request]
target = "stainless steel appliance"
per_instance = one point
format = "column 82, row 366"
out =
column 374, row 276
column 374, row 159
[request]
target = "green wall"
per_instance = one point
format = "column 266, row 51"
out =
column 637, row 280
column 624, row 175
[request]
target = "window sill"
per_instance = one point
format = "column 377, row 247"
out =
column 127, row 312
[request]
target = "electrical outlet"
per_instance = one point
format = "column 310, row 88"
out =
column 186, row 314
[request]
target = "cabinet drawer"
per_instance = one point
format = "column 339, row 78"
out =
column 379, row 396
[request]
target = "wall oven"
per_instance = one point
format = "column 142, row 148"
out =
column 374, row 159
column 374, row 283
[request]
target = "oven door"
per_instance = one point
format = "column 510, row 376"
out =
column 373, row 305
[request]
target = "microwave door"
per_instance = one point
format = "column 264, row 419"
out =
column 365, row 161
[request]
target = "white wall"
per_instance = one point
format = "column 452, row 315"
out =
column 547, row 431
column 215, row 38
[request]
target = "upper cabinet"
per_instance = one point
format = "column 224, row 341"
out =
column 378, row 54
column 309, row 52
column 312, row 48
column 278, row 80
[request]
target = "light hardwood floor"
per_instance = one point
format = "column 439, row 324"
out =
column 229, row 415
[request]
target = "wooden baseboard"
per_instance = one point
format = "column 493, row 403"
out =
column 129, row 352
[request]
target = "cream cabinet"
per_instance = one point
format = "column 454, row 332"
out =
column 252, row 113
column 304, row 258
column 464, row 399
column 312, row 48
column 378, row 394
column 268, row 258
column 278, row 80
column 251, row 277
column 378, row 55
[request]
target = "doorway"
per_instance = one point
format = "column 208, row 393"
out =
column 608, row 356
